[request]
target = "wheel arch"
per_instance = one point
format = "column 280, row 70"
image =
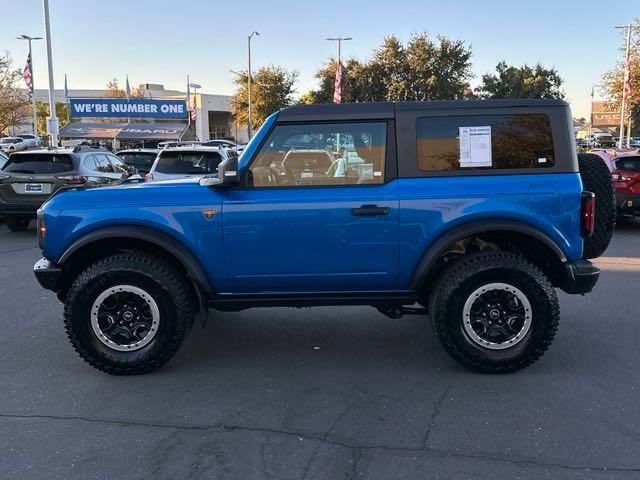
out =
column 429, row 260
column 114, row 238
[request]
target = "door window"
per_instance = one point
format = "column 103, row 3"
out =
column 118, row 165
column 102, row 163
column 321, row 154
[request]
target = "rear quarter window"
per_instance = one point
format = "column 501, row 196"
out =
column 39, row 163
column 484, row 142
column 630, row 164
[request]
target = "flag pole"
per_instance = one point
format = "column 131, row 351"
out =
column 66, row 96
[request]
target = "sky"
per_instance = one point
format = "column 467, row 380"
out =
column 161, row 41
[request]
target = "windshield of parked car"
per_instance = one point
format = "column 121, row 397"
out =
column 630, row 164
column 188, row 163
column 138, row 159
column 39, row 163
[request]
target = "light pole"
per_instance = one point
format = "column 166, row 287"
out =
column 52, row 120
column 628, row 29
column 339, row 40
column 249, row 125
column 33, row 97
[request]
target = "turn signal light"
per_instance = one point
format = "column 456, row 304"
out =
column 587, row 213
column 41, row 228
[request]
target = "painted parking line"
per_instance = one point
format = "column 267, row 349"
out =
column 618, row 263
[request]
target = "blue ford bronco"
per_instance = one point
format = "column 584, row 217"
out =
column 470, row 212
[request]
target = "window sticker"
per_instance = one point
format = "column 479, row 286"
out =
column 475, row 147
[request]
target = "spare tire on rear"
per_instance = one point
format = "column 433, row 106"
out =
column 596, row 178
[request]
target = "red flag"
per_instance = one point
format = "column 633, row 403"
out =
column 337, row 87
column 626, row 91
column 26, row 74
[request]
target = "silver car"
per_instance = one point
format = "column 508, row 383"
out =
column 186, row 162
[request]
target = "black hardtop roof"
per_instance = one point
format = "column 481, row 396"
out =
column 371, row 110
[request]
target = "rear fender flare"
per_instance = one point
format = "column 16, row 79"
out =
column 437, row 248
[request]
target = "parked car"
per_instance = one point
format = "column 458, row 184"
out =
column 604, row 141
column 29, row 178
column 12, row 144
column 626, row 179
column 186, row 162
column 31, row 141
column 141, row 158
column 222, row 143
column 474, row 210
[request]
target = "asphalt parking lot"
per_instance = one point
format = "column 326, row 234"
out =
column 327, row 393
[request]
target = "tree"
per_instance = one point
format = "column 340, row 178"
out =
column 42, row 112
column 521, row 82
column 272, row 89
column 113, row 90
column 14, row 103
column 423, row 69
column 613, row 79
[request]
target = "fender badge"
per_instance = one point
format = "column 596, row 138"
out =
column 209, row 213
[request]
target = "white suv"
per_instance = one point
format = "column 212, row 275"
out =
column 31, row 140
column 186, row 162
column 12, row 144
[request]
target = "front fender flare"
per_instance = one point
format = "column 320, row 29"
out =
column 153, row 236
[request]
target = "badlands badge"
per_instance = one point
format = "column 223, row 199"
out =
column 209, row 213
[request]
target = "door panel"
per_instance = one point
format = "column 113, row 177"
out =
column 309, row 239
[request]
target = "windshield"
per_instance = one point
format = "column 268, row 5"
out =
column 39, row 163
column 188, row 163
column 145, row 159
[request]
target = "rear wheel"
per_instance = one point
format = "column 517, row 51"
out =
column 596, row 178
column 128, row 313
column 494, row 312
column 18, row 224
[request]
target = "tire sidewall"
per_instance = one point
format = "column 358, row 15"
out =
column 80, row 318
column 540, row 322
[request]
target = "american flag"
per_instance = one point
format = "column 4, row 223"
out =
column 337, row 87
column 26, row 74
column 626, row 91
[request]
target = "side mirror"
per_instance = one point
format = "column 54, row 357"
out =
column 228, row 175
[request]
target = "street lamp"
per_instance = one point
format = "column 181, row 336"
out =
column 33, row 97
column 52, row 120
column 249, row 126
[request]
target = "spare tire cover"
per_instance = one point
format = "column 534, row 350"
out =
column 596, row 178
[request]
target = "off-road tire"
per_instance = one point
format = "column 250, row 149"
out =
column 161, row 280
column 18, row 224
column 458, row 282
column 596, row 178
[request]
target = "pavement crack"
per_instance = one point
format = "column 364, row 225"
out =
column 326, row 439
column 435, row 412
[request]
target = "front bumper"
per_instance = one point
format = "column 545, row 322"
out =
column 580, row 277
column 48, row 274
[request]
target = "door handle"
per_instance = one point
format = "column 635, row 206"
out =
column 370, row 211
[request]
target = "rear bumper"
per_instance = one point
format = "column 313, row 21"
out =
column 628, row 203
column 48, row 274
column 580, row 277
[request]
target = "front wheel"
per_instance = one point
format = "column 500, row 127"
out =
column 128, row 313
column 18, row 224
column 495, row 312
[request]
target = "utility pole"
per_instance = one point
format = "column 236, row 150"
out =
column 52, row 120
column 627, row 31
column 33, row 97
column 249, row 124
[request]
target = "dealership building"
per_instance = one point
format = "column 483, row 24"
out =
column 213, row 117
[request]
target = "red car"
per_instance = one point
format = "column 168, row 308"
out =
column 626, row 180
